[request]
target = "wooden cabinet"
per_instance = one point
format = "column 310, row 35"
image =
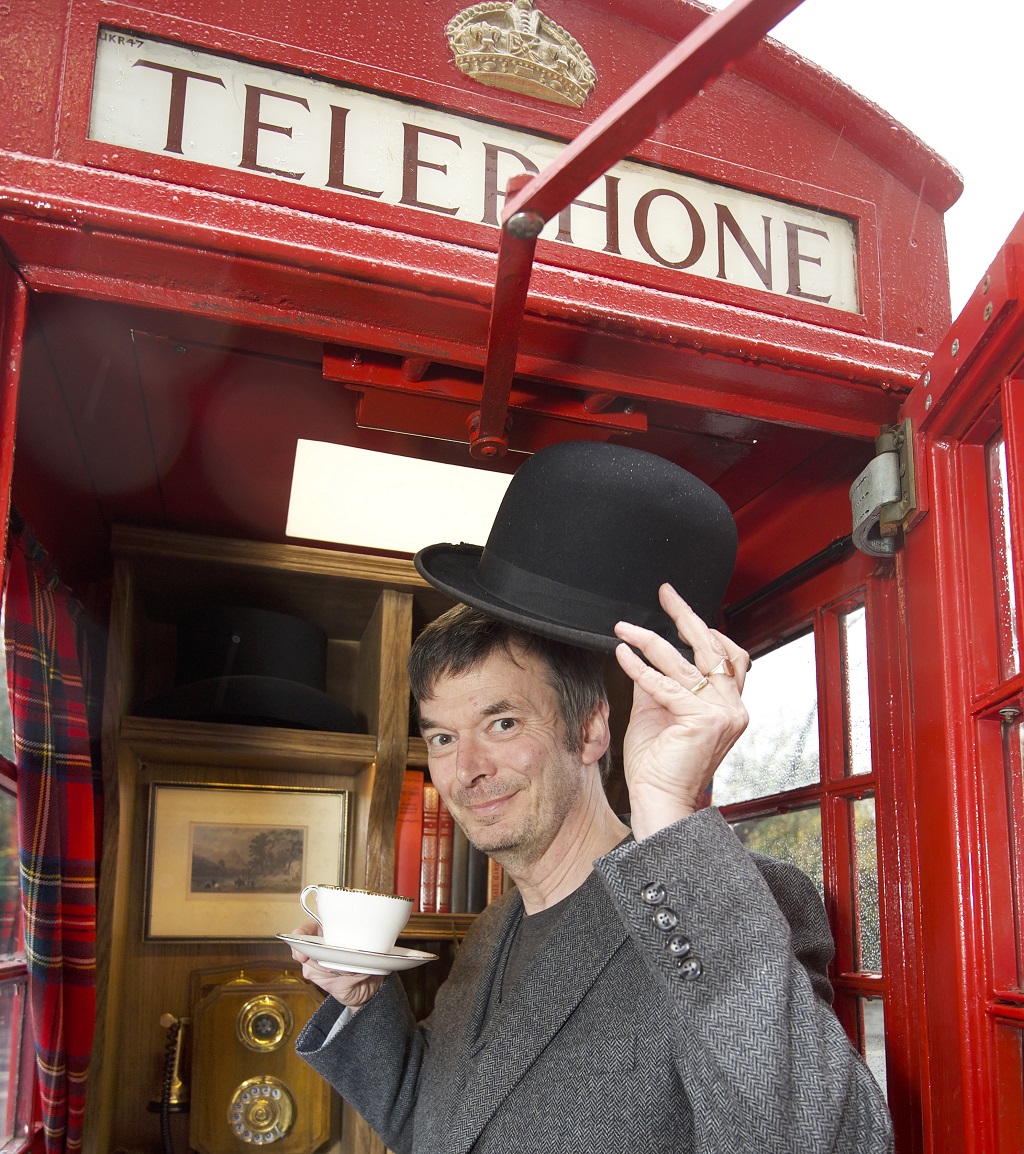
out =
column 370, row 608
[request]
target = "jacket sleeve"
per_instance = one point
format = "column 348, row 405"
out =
column 374, row 1059
column 740, row 945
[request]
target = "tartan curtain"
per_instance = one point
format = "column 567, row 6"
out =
column 56, row 831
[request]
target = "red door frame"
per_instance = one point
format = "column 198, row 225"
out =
column 956, row 778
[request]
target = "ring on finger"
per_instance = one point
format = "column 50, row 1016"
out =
column 702, row 684
column 725, row 667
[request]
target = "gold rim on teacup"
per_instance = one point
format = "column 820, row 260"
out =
column 356, row 890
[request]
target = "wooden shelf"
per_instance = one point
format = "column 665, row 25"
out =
column 333, row 589
column 437, row 927
column 264, row 747
column 369, row 609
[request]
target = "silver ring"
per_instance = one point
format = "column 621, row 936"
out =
column 702, row 684
column 725, row 667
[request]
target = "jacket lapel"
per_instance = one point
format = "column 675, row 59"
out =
column 459, row 1017
column 570, row 962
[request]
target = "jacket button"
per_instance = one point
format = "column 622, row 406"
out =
column 653, row 893
column 679, row 945
column 666, row 918
column 690, row 969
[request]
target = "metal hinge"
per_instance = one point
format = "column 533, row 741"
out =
column 885, row 493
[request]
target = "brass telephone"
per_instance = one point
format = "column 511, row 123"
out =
column 249, row 1088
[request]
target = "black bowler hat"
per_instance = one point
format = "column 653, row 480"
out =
column 252, row 667
column 585, row 535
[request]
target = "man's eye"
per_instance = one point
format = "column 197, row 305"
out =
column 505, row 724
column 439, row 740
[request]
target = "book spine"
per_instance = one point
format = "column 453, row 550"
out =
column 476, row 880
column 409, row 836
column 428, row 851
column 460, row 871
column 495, row 880
column 445, row 846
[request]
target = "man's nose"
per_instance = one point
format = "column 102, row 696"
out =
column 472, row 760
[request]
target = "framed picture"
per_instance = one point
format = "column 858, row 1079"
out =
column 227, row 862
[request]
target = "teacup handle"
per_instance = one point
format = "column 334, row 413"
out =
column 302, row 902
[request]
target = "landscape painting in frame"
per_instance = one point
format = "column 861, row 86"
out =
column 228, row 862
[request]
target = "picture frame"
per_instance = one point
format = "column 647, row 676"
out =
column 227, row 862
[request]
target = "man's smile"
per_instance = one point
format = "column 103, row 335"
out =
column 483, row 807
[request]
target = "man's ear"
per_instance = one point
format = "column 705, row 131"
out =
column 596, row 736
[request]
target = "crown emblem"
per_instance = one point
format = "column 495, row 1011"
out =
column 509, row 44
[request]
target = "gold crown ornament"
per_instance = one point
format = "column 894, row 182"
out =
column 509, row 44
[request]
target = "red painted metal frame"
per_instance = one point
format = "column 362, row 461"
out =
column 702, row 56
column 13, row 313
column 934, row 182
column 98, row 221
column 964, row 835
column 74, row 145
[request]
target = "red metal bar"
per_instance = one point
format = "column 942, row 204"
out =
column 704, row 54
column 488, row 438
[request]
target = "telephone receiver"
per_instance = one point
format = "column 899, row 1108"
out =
column 173, row 1091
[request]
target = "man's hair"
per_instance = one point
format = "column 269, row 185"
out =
column 464, row 638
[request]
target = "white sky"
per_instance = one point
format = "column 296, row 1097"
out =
column 951, row 72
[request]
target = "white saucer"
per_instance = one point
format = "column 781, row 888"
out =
column 357, row 961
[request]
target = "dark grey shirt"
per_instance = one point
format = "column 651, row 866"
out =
column 530, row 936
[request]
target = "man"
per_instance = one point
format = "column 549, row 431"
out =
column 646, row 988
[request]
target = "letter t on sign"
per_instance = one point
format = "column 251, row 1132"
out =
column 176, row 109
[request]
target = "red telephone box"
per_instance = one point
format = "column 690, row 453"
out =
column 229, row 231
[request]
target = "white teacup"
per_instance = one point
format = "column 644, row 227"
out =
column 358, row 919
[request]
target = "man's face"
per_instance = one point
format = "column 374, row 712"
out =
column 496, row 750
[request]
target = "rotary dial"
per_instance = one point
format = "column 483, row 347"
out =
column 261, row 1111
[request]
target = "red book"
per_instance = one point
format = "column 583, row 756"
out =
column 495, row 880
column 409, row 837
column 445, row 844
column 428, row 851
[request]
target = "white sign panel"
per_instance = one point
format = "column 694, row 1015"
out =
column 169, row 99
column 359, row 497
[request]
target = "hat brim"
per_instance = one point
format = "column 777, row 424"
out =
column 254, row 700
column 453, row 568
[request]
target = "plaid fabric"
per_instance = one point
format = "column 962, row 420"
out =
column 56, row 820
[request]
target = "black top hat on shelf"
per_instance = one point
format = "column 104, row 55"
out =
column 584, row 537
column 252, row 667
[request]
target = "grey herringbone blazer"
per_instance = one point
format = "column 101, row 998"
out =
column 680, row 1005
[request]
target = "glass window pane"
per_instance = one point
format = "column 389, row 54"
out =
column 1006, row 604
column 873, row 1019
column 855, row 691
column 10, row 896
column 794, row 837
column 1008, row 1087
column 1013, row 759
column 779, row 749
column 865, row 864
column 14, row 1115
